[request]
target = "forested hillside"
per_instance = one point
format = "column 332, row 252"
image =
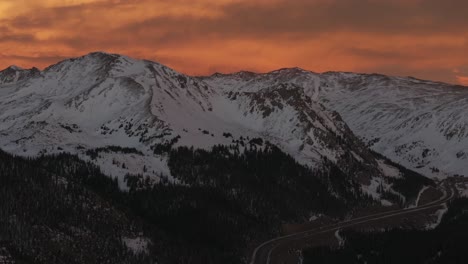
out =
column 49, row 213
column 60, row 209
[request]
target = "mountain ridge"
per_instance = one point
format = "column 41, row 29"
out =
column 374, row 104
column 104, row 53
column 204, row 166
column 101, row 100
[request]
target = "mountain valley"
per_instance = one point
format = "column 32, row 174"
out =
column 182, row 169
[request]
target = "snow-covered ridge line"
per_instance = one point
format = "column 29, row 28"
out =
column 420, row 124
column 102, row 99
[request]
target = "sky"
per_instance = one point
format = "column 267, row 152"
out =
column 426, row 39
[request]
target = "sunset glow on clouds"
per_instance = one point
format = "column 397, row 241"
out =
column 398, row 37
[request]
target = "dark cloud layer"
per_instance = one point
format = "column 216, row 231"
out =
column 424, row 38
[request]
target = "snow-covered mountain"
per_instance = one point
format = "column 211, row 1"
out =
column 102, row 100
column 423, row 125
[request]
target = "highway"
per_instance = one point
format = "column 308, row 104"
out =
column 264, row 253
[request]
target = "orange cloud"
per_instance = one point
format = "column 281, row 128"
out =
column 463, row 80
column 202, row 36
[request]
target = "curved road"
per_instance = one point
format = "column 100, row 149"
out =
column 263, row 253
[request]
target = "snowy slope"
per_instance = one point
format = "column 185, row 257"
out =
column 95, row 101
column 421, row 124
column 102, row 99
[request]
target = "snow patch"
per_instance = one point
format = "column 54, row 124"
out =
column 439, row 214
column 385, row 202
column 357, row 157
column 416, row 203
column 139, row 245
column 314, row 217
column 5, row 257
column 301, row 258
column 340, row 239
column 462, row 189
column 117, row 165
column 401, row 196
column 388, row 170
column 372, row 188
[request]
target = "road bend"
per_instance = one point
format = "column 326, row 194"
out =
column 264, row 252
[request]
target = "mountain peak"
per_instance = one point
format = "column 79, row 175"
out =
column 13, row 68
column 235, row 74
column 289, row 70
column 15, row 74
column 91, row 62
column 102, row 54
column 99, row 56
column 16, row 68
